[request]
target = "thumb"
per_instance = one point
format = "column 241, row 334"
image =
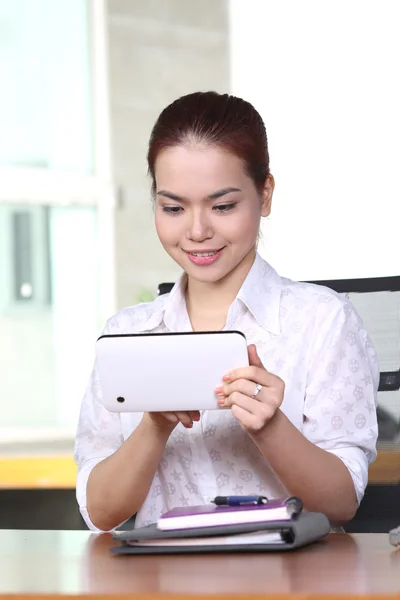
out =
column 254, row 359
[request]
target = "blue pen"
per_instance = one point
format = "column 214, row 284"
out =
column 239, row 500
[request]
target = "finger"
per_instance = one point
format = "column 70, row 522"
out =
column 170, row 417
column 254, row 359
column 194, row 415
column 240, row 385
column 238, row 399
column 258, row 374
column 185, row 419
column 260, row 409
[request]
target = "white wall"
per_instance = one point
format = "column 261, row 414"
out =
column 325, row 77
column 158, row 51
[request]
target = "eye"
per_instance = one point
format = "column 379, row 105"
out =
column 225, row 207
column 172, row 210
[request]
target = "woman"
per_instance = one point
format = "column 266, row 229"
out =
column 302, row 418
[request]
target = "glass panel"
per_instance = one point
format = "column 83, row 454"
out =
column 22, row 244
column 47, row 336
column 45, row 85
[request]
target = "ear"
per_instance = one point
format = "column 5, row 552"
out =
column 266, row 199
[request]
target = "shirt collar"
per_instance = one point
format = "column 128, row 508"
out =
column 260, row 293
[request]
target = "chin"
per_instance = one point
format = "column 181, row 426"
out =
column 207, row 274
column 206, row 277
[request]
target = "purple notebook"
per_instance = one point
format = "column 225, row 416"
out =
column 211, row 515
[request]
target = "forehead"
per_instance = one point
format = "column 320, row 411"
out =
column 198, row 165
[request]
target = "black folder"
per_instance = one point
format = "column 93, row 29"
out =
column 296, row 533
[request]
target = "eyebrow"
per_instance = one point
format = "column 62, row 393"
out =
column 213, row 196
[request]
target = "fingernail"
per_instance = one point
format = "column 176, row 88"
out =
column 219, row 389
column 189, row 426
column 221, row 401
column 227, row 377
column 220, row 392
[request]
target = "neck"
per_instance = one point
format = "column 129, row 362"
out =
column 208, row 303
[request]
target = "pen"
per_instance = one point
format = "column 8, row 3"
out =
column 239, row 500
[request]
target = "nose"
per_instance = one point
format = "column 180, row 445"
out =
column 199, row 227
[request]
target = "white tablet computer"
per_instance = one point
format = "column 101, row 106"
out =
column 166, row 371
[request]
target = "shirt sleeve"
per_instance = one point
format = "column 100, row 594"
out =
column 341, row 392
column 99, row 435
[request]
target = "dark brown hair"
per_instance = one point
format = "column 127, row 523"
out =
column 220, row 120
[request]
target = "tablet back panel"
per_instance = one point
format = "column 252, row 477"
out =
column 168, row 371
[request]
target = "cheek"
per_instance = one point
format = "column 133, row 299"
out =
column 161, row 227
column 158, row 222
column 167, row 228
column 244, row 226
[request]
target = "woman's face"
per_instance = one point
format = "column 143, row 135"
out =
column 207, row 210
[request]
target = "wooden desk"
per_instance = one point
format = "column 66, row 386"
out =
column 77, row 563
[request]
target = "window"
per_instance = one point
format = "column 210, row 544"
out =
column 45, row 108
column 56, row 202
column 24, row 241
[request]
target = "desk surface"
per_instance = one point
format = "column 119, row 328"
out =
column 33, row 563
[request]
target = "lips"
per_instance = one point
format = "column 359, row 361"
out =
column 204, row 257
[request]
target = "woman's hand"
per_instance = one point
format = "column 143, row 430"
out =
column 253, row 394
column 167, row 421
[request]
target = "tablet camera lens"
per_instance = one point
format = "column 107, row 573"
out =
column 120, row 399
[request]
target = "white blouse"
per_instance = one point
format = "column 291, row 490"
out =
column 306, row 334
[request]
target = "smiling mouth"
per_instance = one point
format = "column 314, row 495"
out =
column 203, row 258
column 205, row 254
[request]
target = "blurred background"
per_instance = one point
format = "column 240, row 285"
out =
column 82, row 83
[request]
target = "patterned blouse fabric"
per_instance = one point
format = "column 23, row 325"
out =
column 306, row 334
